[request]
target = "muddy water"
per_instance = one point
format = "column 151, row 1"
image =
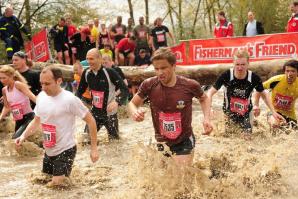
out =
column 224, row 166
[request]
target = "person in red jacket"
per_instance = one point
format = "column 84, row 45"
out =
column 223, row 28
column 124, row 51
column 293, row 21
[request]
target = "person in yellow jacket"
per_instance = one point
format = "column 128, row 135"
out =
column 284, row 92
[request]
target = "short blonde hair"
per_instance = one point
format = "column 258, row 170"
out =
column 241, row 53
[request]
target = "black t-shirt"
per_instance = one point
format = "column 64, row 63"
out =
column 237, row 95
column 32, row 77
column 82, row 46
column 60, row 34
column 159, row 36
column 99, row 83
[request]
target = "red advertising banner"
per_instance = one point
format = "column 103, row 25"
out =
column 38, row 48
column 261, row 47
column 180, row 53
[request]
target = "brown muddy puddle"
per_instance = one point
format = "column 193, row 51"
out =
column 224, row 167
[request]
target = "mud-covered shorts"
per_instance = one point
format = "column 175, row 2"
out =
column 60, row 164
column 183, row 148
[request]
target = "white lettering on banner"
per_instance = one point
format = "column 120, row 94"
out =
column 258, row 50
column 40, row 50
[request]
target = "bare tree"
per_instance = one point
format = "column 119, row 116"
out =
column 147, row 11
column 131, row 10
column 195, row 19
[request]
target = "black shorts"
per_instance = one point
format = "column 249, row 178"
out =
column 60, row 47
column 125, row 54
column 60, row 164
column 183, row 148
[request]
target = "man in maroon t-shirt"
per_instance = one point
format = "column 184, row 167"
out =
column 170, row 99
column 125, row 51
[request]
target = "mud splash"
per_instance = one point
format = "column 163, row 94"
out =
column 225, row 166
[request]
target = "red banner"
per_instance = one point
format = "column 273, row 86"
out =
column 180, row 53
column 261, row 47
column 38, row 48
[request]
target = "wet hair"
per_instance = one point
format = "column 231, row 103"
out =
column 23, row 55
column 292, row 63
column 57, row 72
column 241, row 53
column 164, row 53
column 11, row 72
column 222, row 13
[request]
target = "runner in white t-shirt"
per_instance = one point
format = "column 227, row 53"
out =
column 55, row 112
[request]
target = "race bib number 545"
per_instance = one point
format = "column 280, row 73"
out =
column 170, row 125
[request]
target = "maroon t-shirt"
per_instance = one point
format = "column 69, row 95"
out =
column 176, row 100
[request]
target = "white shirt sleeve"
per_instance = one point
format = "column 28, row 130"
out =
column 78, row 108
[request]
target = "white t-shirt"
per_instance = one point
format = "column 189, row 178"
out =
column 60, row 111
column 251, row 29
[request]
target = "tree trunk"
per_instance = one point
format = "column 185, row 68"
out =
column 205, row 74
column 181, row 29
column 171, row 16
column 195, row 20
column 147, row 11
column 27, row 15
column 131, row 10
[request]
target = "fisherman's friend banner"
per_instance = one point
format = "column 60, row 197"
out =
column 263, row 47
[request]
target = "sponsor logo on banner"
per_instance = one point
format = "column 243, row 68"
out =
column 38, row 48
column 179, row 51
column 264, row 47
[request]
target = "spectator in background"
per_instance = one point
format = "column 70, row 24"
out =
column 141, row 32
column 72, row 29
column 95, row 30
column 104, row 37
column 252, row 27
column 81, row 41
column 159, row 35
column 90, row 24
column 60, row 34
column 118, row 31
column 223, row 28
column 130, row 27
column 10, row 32
column 142, row 59
column 107, row 62
column 125, row 51
column 293, row 21
column 106, row 51
column 77, row 74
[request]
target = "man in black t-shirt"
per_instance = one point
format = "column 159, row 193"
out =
column 21, row 64
column 159, row 35
column 59, row 33
column 239, row 83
